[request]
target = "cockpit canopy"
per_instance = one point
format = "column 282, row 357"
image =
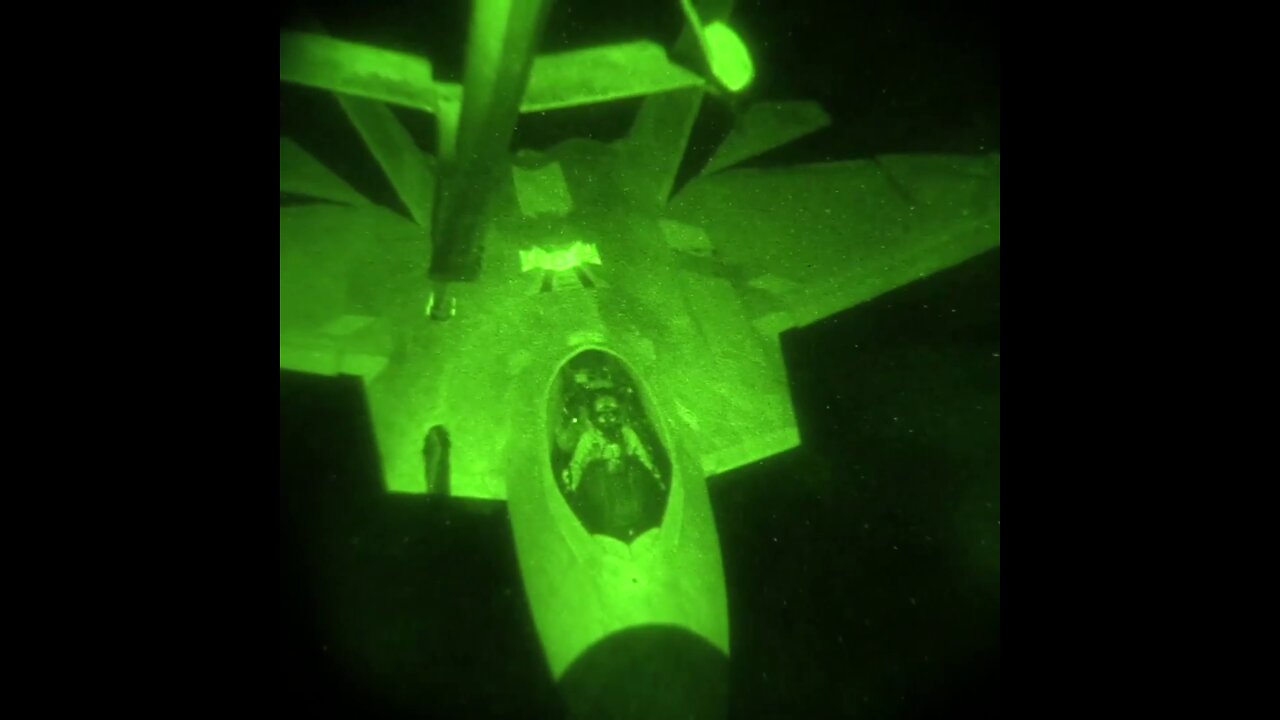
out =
column 606, row 453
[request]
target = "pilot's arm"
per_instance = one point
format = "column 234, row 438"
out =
column 568, row 433
column 636, row 449
column 586, row 451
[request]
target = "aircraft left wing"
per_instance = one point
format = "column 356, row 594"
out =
column 302, row 175
column 341, row 262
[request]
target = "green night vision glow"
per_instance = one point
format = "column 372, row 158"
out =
column 728, row 56
column 680, row 342
column 576, row 255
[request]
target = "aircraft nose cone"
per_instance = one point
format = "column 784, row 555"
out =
column 648, row 673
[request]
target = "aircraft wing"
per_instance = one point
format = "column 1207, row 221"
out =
column 342, row 261
column 352, row 294
column 801, row 243
column 302, row 175
column 809, row 241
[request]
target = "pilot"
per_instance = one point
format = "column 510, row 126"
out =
column 610, row 440
column 576, row 413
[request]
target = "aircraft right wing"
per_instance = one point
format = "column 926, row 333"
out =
column 809, row 241
column 798, row 244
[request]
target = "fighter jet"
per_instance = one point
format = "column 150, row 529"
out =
column 568, row 332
